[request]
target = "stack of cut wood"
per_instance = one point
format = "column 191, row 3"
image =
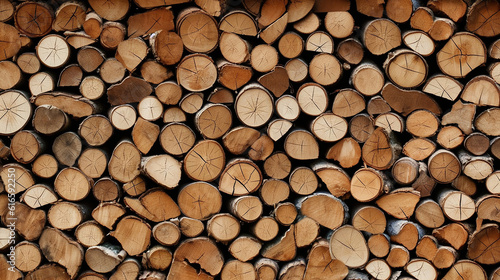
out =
column 251, row 139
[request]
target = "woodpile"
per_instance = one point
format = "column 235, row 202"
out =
column 250, row 139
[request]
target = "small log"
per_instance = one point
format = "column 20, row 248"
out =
column 405, row 171
column 381, row 35
column 380, row 150
column 176, row 138
column 233, row 76
column 337, row 181
column 333, row 213
column 306, row 231
column 89, row 233
column 66, row 215
column 112, row 71
column 92, row 25
column 399, row 203
column 72, row 184
column 238, row 22
column 285, row 213
column 297, row 70
column 263, row 58
column 417, row 267
column 246, row 208
column 23, row 176
column 154, row 72
column 379, row 269
column 144, row 134
column 39, row 195
column 206, row 36
column 274, row 191
column 422, row 123
column 11, row 73
column 348, row 103
column 245, row 248
column 92, row 87
column 303, row 181
column 429, row 214
column 291, row 45
column 472, row 54
column 42, row 14
column 310, row 101
column 266, row 269
column 398, row 256
column 405, row 233
column 325, row 69
column 307, row 24
column 199, row 200
column 210, row 156
column 301, row 145
column 131, row 53
column 162, row 169
column 18, row 112
column 125, row 151
column 249, row 111
column 26, row 145
column 92, row 162
column 465, row 185
column 390, row 122
column 348, row 245
column 166, row 233
column 104, row 258
column 444, row 166
column 29, row 256
column 56, row 58
column 191, row 227
column 427, row 247
column 367, row 79
column 347, row 152
column 106, row 189
column 454, row 234
column 265, row 229
column 133, row 234
column 41, row 82
column 476, row 167
column 405, row 68
column 95, row 130
column 12, row 43
column 107, row 213
column 320, row 42
column 450, row 137
column 367, row 184
column 339, row 24
column 240, row 177
column 379, row 245
column 456, row 205
column 321, row 265
column 276, row 81
column 196, row 72
column 143, row 24
column 150, row 108
column 157, row 257
column 369, row 219
column 233, row 48
column 361, row 127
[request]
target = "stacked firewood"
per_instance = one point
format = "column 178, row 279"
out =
column 250, row 139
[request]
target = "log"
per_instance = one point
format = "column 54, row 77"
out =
column 348, row 245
